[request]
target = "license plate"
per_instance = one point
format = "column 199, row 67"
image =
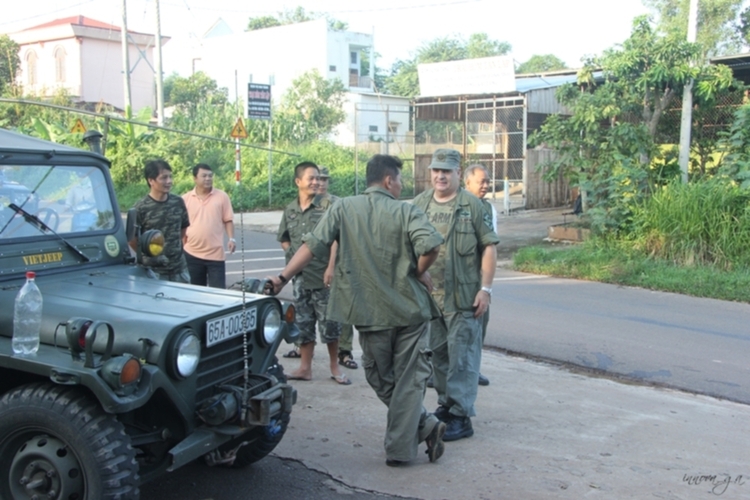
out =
column 226, row 327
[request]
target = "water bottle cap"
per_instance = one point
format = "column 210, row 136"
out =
column 30, row 275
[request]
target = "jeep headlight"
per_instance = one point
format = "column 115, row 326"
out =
column 186, row 354
column 271, row 324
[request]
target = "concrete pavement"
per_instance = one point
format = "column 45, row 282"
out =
column 541, row 431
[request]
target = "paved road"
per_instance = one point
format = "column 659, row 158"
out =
column 548, row 434
column 698, row 345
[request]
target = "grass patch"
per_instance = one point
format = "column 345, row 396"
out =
column 614, row 262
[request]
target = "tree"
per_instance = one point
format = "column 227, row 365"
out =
column 9, row 63
column 294, row 16
column 312, row 107
column 719, row 23
column 186, row 93
column 607, row 144
column 541, row 64
column 262, row 22
column 404, row 78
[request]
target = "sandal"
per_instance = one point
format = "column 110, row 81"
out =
column 347, row 361
column 294, row 353
column 341, row 379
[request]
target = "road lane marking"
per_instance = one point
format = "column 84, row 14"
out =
column 237, row 261
column 521, row 278
column 253, row 272
column 262, row 250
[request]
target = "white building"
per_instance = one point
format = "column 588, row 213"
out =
column 83, row 56
column 374, row 118
column 281, row 54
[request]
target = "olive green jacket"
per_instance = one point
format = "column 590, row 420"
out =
column 380, row 240
column 294, row 224
column 466, row 239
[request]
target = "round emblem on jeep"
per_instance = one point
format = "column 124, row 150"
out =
column 111, row 245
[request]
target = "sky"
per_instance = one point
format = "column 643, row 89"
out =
column 568, row 29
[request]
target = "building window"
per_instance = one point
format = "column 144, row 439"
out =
column 31, row 61
column 331, row 68
column 59, row 64
column 373, row 128
column 353, row 56
column 393, row 127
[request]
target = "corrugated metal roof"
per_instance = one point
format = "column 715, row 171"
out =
column 528, row 83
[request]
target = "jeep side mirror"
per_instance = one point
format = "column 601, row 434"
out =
column 130, row 225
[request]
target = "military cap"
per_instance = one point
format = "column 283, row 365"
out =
column 445, row 159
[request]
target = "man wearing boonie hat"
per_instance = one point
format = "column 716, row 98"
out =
column 462, row 285
column 347, row 331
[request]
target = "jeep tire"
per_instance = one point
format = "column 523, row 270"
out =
column 56, row 442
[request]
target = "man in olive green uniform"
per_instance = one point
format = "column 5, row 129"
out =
column 477, row 182
column 347, row 331
column 311, row 286
column 462, row 278
column 381, row 286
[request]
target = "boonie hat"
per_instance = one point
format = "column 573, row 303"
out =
column 445, row 159
column 324, row 173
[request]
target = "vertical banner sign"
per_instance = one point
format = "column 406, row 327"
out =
column 258, row 101
column 259, row 108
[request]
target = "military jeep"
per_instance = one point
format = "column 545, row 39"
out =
column 134, row 377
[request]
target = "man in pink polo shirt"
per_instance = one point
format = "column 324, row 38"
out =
column 211, row 215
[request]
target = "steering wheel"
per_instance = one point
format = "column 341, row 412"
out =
column 49, row 217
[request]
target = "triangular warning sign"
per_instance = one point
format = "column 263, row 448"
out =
column 239, row 131
column 79, row 127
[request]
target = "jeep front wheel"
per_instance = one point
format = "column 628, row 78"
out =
column 56, row 442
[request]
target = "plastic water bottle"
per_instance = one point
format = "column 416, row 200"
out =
column 27, row 317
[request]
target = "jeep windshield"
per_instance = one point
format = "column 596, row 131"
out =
column 67, row 199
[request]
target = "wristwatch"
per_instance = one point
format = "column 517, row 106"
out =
column 488, row 290
column 232, row 240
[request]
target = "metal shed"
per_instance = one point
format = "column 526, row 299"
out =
column 493, row 129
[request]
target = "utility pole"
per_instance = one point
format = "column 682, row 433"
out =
column 126, row 59
column 687, row 99
column 159, row 72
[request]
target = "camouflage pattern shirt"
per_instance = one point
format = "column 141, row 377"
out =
column 170, row 217
column 470, row 231
column 295, row 223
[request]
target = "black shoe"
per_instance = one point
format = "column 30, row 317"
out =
column 483, row 380
column 442, row 413
column 430, row 382
column 458, row 427
column 435, row 446
column 395, row 463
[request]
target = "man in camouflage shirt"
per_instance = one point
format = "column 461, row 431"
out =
column 311, row 286
column 162, row 210
column 381, row 287
column 462, row 276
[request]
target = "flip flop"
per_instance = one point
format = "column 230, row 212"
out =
column 294, row 353
column 341, row 379
column 290, row 377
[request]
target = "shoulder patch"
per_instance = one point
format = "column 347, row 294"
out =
column 487, row 220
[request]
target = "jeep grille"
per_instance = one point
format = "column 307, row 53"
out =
column 221, row 364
